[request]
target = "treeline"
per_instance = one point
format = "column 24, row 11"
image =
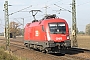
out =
column 87, row 30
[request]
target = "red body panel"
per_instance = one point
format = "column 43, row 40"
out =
column 35, row 32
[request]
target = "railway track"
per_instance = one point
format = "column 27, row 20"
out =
column 68, row 55
column 72, row 54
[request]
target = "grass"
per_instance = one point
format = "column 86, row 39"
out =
column 5, row 56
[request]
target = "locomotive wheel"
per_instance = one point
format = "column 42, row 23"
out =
column 46, row 51
column 29, row 46
column 26, row 45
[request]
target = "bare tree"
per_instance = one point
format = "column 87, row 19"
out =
column 14, row 29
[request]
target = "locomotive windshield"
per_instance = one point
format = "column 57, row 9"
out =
column 57, row 28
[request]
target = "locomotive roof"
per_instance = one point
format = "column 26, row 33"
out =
column 41, row 22
column 47, row 18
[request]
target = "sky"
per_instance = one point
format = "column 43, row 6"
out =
column 24, row 6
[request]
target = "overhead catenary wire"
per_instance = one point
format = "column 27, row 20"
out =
column 21, row 10
column 84, row 3
column 63, row 8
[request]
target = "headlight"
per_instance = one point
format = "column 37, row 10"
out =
column 68, row 37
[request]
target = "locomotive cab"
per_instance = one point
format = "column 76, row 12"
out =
column 58, row 36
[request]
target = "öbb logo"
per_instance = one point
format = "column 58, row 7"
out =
column 58, row 38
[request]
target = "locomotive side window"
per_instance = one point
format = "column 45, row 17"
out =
column 57, row 28
column 43, row 28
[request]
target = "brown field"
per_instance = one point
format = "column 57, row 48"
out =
column 83, row 41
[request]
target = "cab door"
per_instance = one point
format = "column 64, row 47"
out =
column 43, row 35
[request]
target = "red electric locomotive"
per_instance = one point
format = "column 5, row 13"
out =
column 51, row 35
